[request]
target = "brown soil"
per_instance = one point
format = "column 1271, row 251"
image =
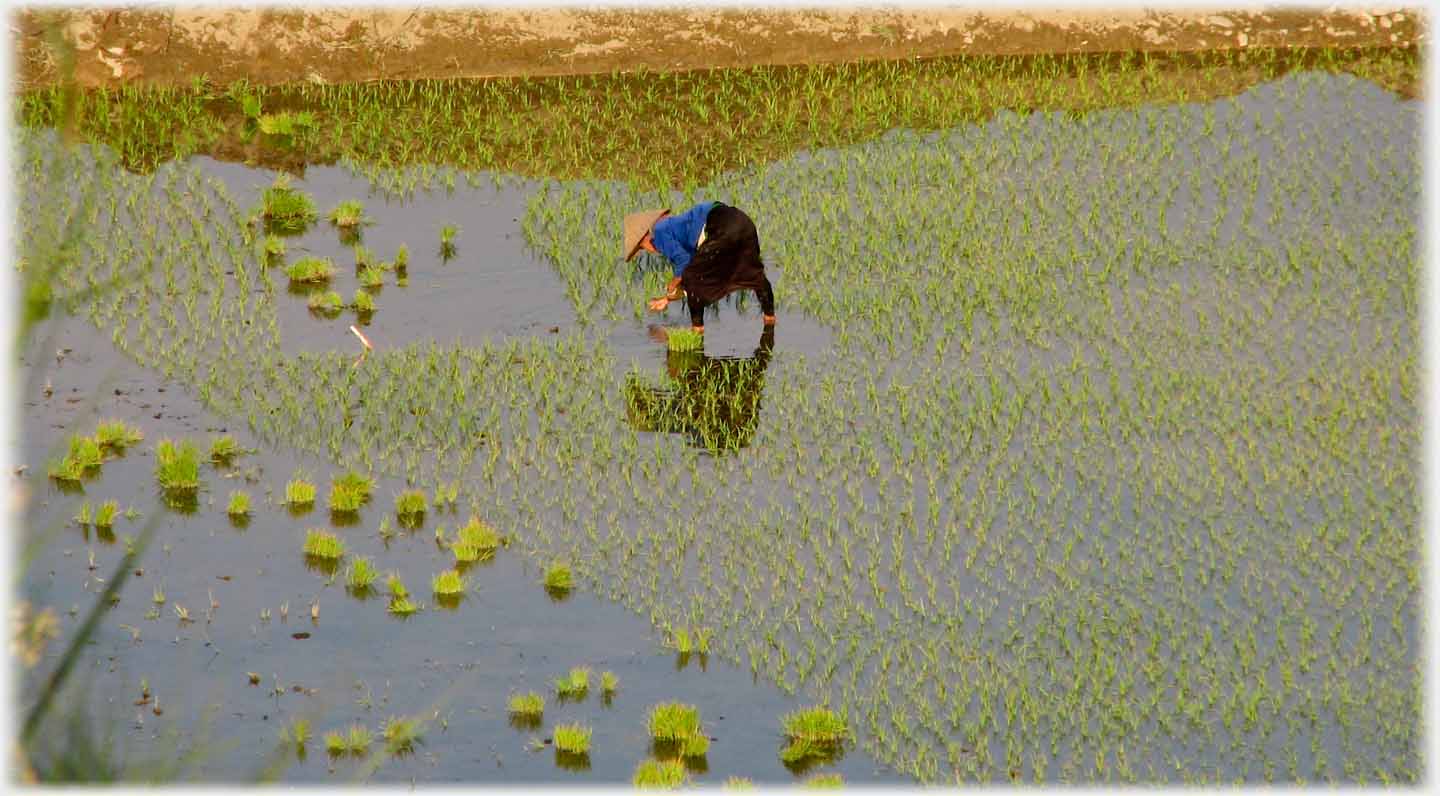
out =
column 279, row 45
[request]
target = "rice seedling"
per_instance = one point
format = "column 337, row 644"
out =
column 223, row 449
column 349, row 213
column 402, row 606
column 402, row 258
column 447, row 234
column 665, row 774
column 297, row 733
column 85, row 515
column 116, row 435
column 685, row 340
column 323, row 544
column 737, row 783
column 401, row 734
column 286, row 209
column 527, row 704
column 345, row 497
column 335, row 743
column 273, row 247
column 371, row 277
column 573, row 738
column 410, row 508
column 449, row 583
column 310, row 270
column 673, row 722
column 299, row 491
column 608, row 682
column 326, row 302
column 695, row 746
column 360, row 574
column 558, row 580
column 83, row 458
column 825, row 781
column 575, row 684
column 177, row 467
column 364, row 303
column 105, row 515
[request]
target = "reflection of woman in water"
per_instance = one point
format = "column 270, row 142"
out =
column 715, row 401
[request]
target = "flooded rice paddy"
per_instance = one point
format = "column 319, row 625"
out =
column 1085, row 449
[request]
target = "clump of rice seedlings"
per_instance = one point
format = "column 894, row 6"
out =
column 274, row 246
column 349, row 213
column 402, row 259
column 395, row 586
column 685, row 340
column 449, row 583
column 815, row 732
column 527, row 705
column 666, row 774
column 475, row 541
column 284, row 207
column 608, row 683
column 673, row 722
column 84, row 516
column 105, row 515
column 685, row 641
column 737, row 783
column 357, row 482
column 223, row 449
column 695, row 746
column 239, row 504
column 402, row 606
column 177, row 467
column 401, row 734
column 824, row 781
column 364, row 302
column 299, row 491
column 117, row 435
column 573, row 738
column 323, row 545
column 83, row 456
column 286, row 123
column 157, row 594
column 575, row 684
column 371, row 277
column 357, row 740
column 310, row 269
column 346, row 497
column 447, row 494
column 410, row 508
column 298, row 733
column 335, row 743
column 558, row 580
column 361, row 574
column 447, row 234
column 328, row 301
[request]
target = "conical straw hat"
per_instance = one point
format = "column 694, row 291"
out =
column 636, row 225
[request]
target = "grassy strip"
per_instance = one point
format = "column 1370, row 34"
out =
column 672, row 128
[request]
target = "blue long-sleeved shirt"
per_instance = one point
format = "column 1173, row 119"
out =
column 676, row 236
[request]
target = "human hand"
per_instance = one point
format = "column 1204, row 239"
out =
column 659, row 304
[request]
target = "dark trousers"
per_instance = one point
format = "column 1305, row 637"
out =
column 727, row 261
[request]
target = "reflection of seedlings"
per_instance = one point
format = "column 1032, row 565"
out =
column 360, row 574
column 410, row 508
column 238, row 506
column 559, row 581
column 310, row 269
column 659, row 774
column 526, row 710
column 223, row 449
column 575, row 684
column 323, row 545
column 105, row 515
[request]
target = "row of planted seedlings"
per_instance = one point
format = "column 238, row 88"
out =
column 1151, row 496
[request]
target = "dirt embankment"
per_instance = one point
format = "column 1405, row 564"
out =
column 173, row 44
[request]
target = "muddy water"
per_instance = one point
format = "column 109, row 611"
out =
column 507, row 636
